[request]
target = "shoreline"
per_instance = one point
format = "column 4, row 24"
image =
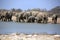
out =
column 22, row 36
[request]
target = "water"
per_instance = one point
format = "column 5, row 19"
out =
column 12, row 27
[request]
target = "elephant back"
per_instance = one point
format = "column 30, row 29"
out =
column 34, row 13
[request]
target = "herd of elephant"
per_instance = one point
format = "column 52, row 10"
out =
column 26, row 17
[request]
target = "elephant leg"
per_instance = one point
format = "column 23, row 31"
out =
column 23, row 20
column 52, row 20
column 28, row 20
column 37, row 21
column 45, row 21
column 2, row 19
column 10, row 19
column 6, row 19
column 19, row 20
column 33, row 20
column 55, row 21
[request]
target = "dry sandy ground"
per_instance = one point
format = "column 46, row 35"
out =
column 29, row 37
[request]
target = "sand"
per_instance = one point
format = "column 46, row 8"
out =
column 29, row 37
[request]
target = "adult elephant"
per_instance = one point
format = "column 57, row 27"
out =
column 31, row 19
column 26, row 16
column 54, row 18
column 2, row 17
column 8, row 17
column 45, row 19
column 20, row 17
column 39, row 18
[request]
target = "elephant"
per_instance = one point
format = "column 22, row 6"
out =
column 31, row 19
column 2, row 17
column 45, row 19
column 8, row 16
column 27, row 15
column 41, row 18
column 20, row 17
column 38, row 19
column 54, row 19
column 24, row 16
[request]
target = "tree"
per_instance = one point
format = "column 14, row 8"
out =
column 13, row 9
column 16, row 10
column 55, row 9
column 19, row 10
column 35, row 9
